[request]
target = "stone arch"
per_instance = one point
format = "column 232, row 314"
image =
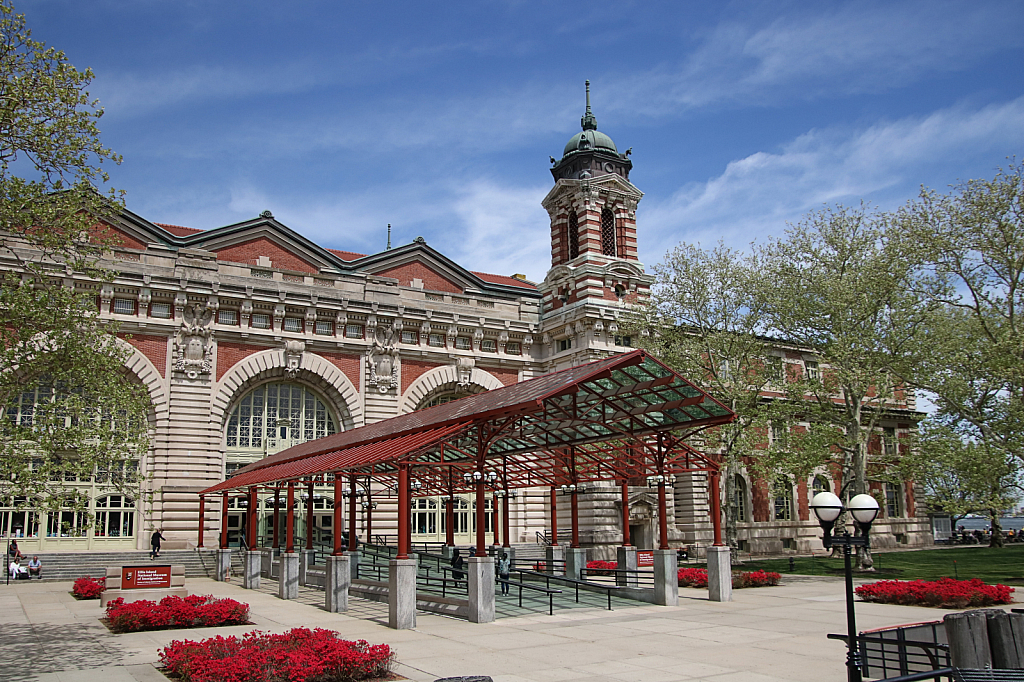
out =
column 438, row 378
column 268, row 365
column 149, row 376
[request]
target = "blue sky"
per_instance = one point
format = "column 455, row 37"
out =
column 439, row 117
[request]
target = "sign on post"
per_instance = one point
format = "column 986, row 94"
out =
column 644, row 558
column 145, row 577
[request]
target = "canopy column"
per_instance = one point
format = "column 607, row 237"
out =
column 505, row 519
column 625, row 512
column 224, row 521
column 404, row 511
column 338, row 507
column 253, row 532
column 289, row 540
column 402, row 569
column 716, row 509
column 309, row 514
column 277, row 516
column 449, row 520
column 574, row 519
column 481, row 536
column 626, row 554
column 288, row 580
column 352, row 539
column 252, row 559
column 202, row 520
column 495, row 519
column 554, row 516
column 662, row 517
column 719, row 559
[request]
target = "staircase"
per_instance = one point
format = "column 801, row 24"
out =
column 73, row 565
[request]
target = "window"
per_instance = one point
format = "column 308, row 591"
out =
column 463, row 343
column 620, row 291
column 773, row 368
column 607, row 232
column 739, row 497
column 778, row 431
column 424, row 516
column 412, row 338
column 67, row 524
column 263, row 274
column 353, row 331
column 227, row 317
column 324, row 328
column 161, row 310
column 115, row 517
column 278, row 415
column 292, row 324
column 820, row 485
column 564, row 344
column 18, row 521
column 893, row 501
column 489, row 346
column 574, row 235
column 783, row 499
column 436, row 340
column 260, row 321
column 124, row 306
column 811, row 369
column 626, row 341
column 889, row 445
column 514, row 348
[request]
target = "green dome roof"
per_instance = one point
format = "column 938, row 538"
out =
column 590, row 139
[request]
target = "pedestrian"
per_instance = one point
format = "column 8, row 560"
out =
column 504, row 568
column 13, row 551
column 35, row 568
column 154, row 543
column 458, row 563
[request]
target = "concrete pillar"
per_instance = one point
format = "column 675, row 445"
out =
column 575, row 560
column 288, row 576
column 481, row 589
column 337, row 581
column 447, row 551
column 719, row 574
column 251, row 573
column 666, row 578
column 353, row 563
column 627, row 561
column 266, row 562
column 306, row 559
column 553, row 553
column 402, row 594
column 223, row 564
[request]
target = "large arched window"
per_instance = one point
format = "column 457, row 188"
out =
column 739, row 497
column 607, row 232
column 276, row 416
column 574, row 235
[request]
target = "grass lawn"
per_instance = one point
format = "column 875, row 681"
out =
column 1004, row 565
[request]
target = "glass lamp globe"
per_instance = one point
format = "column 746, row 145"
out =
column 827, row 506
column 864, row 508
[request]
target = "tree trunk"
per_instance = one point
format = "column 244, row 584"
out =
column 860, row 475
column 996, row 540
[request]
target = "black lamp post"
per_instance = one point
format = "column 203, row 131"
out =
column 864, row 508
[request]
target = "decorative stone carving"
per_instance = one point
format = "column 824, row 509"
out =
column 193, row 344
column 382, row 359
column 598, row 328
column 145, row 297
column 527, row 343
column 293, row 351
column 424, row 333
column 279, row 311
column 310, row 319
column 478, row 336
column 464, row 368
column 245, row 313
column 502, row 340
column 580, row 328
column 450, row 334
column 106, row 297
column 340, row 322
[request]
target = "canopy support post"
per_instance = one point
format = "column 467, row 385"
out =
column 352, row 515
column 554, row 516
column 505, row 519
column 253, row 518
column 277, row 517
column 290, row 520
column 202, row 520
column 224, row 521
column 309, row 514
column 404, row 511
column 625, row 512
column 339, row 505
column 495, row 519
column 716, row 512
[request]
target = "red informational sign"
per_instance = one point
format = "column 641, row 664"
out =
column 145, row 577
column 644, row 558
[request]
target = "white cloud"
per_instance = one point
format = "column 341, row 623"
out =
column 885, row 163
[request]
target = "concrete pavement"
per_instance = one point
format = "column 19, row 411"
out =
column 764, row 635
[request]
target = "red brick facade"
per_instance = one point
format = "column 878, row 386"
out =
column 504, row 376
column 153, row 347
column 116, row 237
column 229, row 354
column 250, row 251
column 432, row 281
column 348, row 364
column 412, row 370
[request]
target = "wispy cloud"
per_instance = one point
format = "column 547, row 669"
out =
column 757, row 195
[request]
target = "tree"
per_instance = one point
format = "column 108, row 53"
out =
column 69, row 411
column 844, row 287
column 703, row 321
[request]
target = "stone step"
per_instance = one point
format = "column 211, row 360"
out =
column 74, row 565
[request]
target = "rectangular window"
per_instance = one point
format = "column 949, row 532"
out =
column 325, row 328
column 410, row 337
column 227, row 317
column 161, row 310
column 811, row 367
column 513, row 348
column 773, row 368
column 626, row 341
column 564, row 344
column 436, row 340
column 124, row 306
column 292, row 324
column 263, row 274
column 889, row 440
column 489, row 346
column 353, row 331
column 260, row 321
column 463, row 343
column 893, row 508
column 784, row 501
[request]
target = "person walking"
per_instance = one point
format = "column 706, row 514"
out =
column 504, row 568
column 458, row 564
column 154, row 543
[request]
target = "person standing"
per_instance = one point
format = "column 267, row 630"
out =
column 154, row 543
column 504, row 568
column 458, row 564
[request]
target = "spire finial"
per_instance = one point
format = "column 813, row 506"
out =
column 588, row 122
column 389, row 237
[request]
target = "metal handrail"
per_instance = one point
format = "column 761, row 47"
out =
column 572, row 581
column 648, row 576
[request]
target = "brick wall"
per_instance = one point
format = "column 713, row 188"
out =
column 348, row 364
column 229, row 354
column 759, row 498
column 116, row 237
column 153, row 347
column 432, row 281
column 506, row 377
column 250, row 251
column 412, row 370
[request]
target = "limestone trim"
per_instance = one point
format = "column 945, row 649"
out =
column 268, row 365
column 440, row 376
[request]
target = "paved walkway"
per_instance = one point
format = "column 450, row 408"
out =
column 763, row 635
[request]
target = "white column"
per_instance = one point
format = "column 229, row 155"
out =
column 719, row 574
column 481, row 589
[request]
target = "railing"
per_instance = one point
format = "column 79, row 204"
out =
column 548, row 577
column 906, row 650
column 624, row 577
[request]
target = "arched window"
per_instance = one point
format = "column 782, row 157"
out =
column 739, row 497
column 783, row 499
column 574, row 235
column 820, row 485
column 277, row 416
column 607, row 232
column 115, row 517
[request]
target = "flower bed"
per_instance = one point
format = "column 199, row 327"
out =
column 299, row 655
column 175, row 612
column 601, row 567
column 87, row 587
column 698, row 577
column 944, row 592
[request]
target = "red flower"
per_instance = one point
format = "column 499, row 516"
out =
column 944, row 592
column 175, row 612
column 601, row 567
column 88, row 588
column 693, row 577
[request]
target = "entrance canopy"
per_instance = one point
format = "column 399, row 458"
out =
column 621, row 418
